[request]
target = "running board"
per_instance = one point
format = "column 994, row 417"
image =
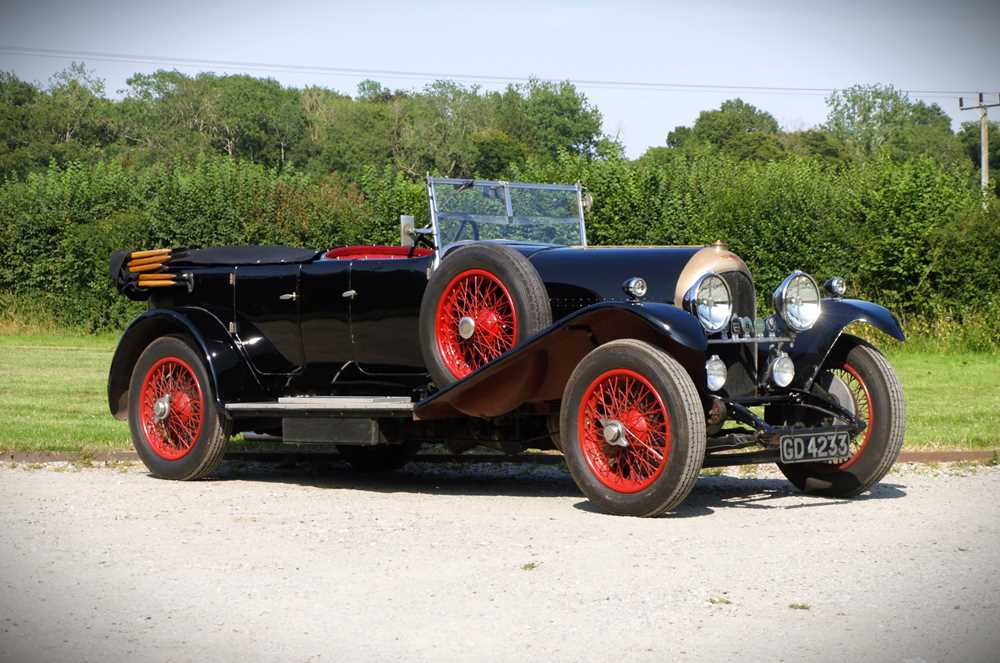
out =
column 329, row 406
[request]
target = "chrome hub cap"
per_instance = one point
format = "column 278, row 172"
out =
column 466, row 327
column 842, row 394
column 614, row 434
column 161, row 408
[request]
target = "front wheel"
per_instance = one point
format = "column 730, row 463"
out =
column 177, row 428
column 862, row 381
column 482, row 301
column 633, row 429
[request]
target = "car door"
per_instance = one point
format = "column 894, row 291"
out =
column 385, row 313
column 325, row 301
column 267, row 316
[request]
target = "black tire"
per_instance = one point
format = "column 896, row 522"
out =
column 530, row 307
column 379, row 458
column 164, row 451
column 862, row 364
column 660, row 490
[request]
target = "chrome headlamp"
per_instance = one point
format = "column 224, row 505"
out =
column 797, row 301
column 710, row 301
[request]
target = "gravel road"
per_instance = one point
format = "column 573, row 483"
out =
column 490, row 562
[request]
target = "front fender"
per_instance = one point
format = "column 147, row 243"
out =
column 811, row 348
column 538, row 370
column 231, row 376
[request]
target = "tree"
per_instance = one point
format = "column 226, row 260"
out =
column 369, row 90
column 17, row 130
column 736, row 127
column 288, row 122
column 442, row 122
column 548, row 117
column 869, row 119
column 817, row 143
column 864, row 116
column 352, row 134
column 168, row 116
column 734, row 119
column 755, row 145
column 679, row 137
column 65, row 121
column 929, row 115
column 74, row 95
column 495, row 151
column 926, row 131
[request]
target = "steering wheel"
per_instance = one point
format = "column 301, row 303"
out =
column 418, row 238
column 461, row 227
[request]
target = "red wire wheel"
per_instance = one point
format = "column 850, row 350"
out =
column 171, row 408
column 475, row 322
column 863, row 410
column 624, row 431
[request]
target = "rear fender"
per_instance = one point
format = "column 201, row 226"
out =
column 538, row 370
column 811, row 348
column 231, row 376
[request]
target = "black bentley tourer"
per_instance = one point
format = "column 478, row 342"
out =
column 499, row 325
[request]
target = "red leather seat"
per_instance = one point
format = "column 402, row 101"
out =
column 374, row 253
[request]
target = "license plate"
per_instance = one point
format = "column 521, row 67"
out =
column 815, row 446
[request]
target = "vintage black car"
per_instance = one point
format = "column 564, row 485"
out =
column 498, row 325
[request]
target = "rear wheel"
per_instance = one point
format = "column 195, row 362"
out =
column 177, row 429
column 633, row 429
column 862, row 381
column 482, row 301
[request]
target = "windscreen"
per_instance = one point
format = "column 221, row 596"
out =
column 472, row 210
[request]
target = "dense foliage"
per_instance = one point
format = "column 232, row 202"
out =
column 883, row 194
column 167, row 116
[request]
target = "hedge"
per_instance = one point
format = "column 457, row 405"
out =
column 910, row 235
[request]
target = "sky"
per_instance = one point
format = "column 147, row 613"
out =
column 948, row 47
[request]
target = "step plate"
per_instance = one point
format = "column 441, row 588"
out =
column 329, row 405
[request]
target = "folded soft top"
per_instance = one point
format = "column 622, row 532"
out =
column 242, row 255
column 134, row 273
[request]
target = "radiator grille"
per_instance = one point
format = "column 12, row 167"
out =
column 744, row 295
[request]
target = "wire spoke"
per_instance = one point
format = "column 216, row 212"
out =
column 626, row 399
column 172, row 434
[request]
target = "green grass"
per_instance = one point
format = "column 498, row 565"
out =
column 53, row 396
column 952, row 400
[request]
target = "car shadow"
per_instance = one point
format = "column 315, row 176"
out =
column 501, row 478
column 515, row 477
column 735, row 492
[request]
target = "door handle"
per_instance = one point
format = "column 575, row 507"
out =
column 349, row 294
column 289, row 297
